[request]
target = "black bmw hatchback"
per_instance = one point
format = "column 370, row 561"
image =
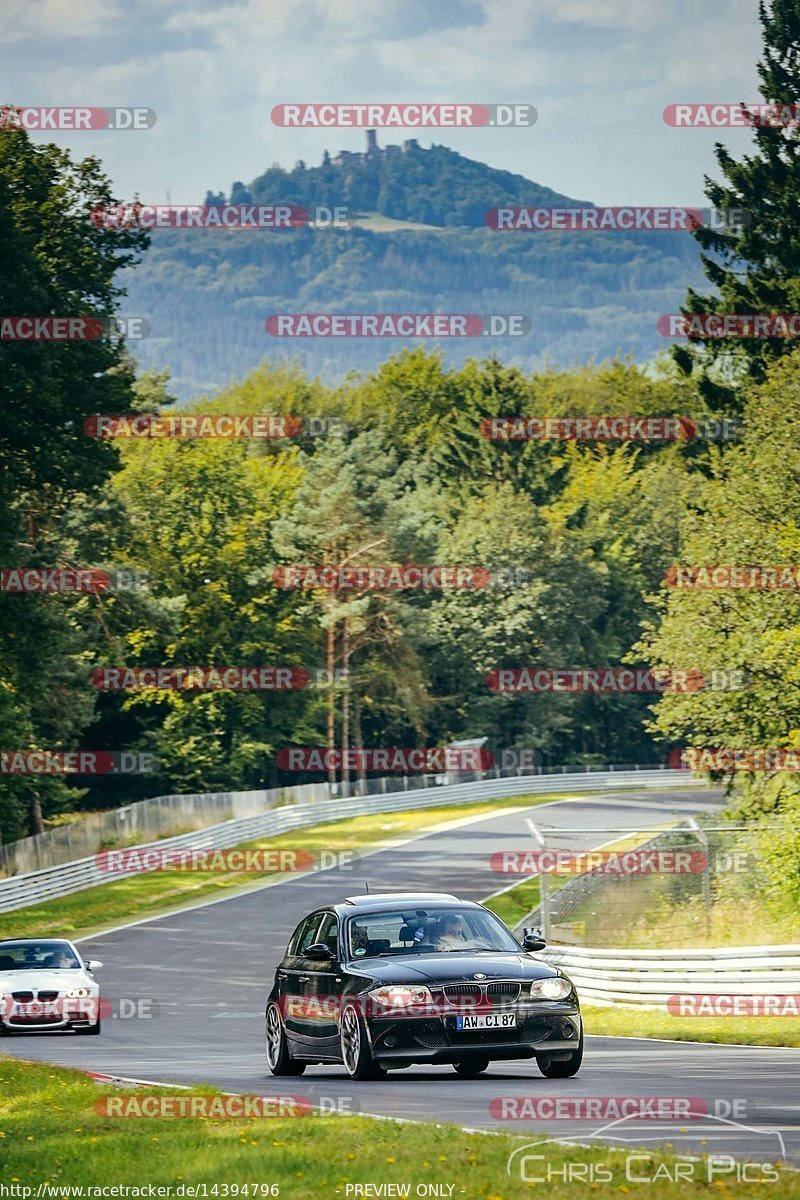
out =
column 381, row 982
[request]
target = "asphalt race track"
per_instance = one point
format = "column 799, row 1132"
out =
column 208, row 970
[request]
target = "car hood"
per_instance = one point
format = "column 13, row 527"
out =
column 47, row 981
column 456, row 968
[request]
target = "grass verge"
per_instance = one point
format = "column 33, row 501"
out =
column 156, row 892
column 621, row 1020
column 516, row 902
column 632, row 1021
column 50, row 1133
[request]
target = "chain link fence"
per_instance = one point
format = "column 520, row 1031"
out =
column 691, row 885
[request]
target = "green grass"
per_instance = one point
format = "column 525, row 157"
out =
column 513, row 905
column 151, row 893
column 633, row 1021
column 50, row 1133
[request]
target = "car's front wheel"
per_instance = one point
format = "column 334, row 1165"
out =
column 563, row 1068
column 279, row 1060
column 355, row 1048
column 468, row 1069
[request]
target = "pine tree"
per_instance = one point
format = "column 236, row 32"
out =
column 754, row 263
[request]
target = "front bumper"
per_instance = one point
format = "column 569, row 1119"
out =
column 543, row 1028
column 49, row 1016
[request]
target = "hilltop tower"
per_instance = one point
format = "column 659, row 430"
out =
column 372, row 141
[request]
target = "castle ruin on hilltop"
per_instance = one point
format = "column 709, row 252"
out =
column 347, row 157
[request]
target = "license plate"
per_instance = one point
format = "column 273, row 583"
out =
column 488, row 1021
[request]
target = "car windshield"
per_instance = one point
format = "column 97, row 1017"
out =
column 37, row 956
column 436, row 930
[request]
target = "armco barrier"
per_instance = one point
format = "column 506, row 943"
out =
column 37, row 886
column 652, row 976
column 160, row 817
column 143, row 821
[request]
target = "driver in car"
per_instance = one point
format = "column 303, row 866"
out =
column 450, row 934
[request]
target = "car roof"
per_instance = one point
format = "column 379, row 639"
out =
column 27, row 940
column 390, row 901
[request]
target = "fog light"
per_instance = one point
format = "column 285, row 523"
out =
column 568, row 1030
column 390, row 1041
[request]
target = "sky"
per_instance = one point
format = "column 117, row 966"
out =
column 599, row 72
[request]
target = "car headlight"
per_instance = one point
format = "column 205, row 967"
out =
column 78, row 993
column 401, row 996
column 557, row 988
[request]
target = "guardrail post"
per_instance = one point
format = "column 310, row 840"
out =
column 702, row 836
column 544, row 895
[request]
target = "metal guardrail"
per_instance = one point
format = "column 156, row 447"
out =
column 652, row 976
column 142, row 821
column 37, row 886
column 160, row 817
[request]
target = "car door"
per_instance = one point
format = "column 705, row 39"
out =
column 325, row 987
column 294, row 980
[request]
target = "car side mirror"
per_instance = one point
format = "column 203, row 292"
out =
column 533, row 942
column 319, row 952
column 93, row 964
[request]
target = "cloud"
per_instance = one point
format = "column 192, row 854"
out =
column 600, row 73
column 59, row 19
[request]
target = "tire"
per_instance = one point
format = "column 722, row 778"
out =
column 279, row 1060
column 355, row 1048
column 468, row 1070
column 562, row 1068
column 91, row 1029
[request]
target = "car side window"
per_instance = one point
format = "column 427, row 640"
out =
column 303, row 936
column 308, row 934
column 329, row 933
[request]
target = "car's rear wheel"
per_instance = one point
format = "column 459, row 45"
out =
column 468, row 1069
column 562, row 1068
column 355, row 1048
column 279, row 1060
